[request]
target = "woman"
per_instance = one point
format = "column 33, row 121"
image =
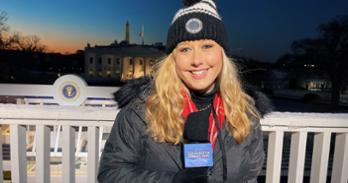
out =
column 145, row 144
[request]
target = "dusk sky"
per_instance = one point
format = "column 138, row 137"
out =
column 262, row 29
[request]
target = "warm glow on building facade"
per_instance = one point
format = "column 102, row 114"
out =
column 120, row 62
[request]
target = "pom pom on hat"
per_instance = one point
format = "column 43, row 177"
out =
column 190, row 2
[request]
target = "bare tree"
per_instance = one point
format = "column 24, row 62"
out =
column 5, row 41
column 30, row 43
column 329, row 52
column 335, row 44
column 3, row 19
column 14, row 40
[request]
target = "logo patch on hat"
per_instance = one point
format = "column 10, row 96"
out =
column 194, row 25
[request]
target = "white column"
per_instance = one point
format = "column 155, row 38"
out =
column 340, row 163
column 93, row 154
column 320, row 157
column 274, row 156
column 297, row 157
column 68, row 154
column 43, row 154
column 18, row 153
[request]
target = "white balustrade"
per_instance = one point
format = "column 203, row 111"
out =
column 44, row 118
column 300, row 125
column 96, row 120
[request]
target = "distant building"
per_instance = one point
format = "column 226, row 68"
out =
column 121, row 61
column 315, row 82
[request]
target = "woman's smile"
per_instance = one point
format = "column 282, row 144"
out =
column 199, row 74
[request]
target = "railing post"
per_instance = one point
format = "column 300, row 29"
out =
column 18, row 153
column 93, row 154
column 274, row 156
column 57, row 137
column 78, row 143
column 101, row 131
column 1, row 158
column 297, row 157
column 68, row 154
column 340, row 162
column 320, row 157
column 43, row 154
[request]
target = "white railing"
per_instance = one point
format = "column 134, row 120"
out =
column 299, row 125
column 19, row 117
column 276, row 125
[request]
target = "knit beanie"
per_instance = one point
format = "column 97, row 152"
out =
column 198, row 19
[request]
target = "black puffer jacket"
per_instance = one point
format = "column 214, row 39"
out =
column 131, row 155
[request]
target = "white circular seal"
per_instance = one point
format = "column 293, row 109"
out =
column 194, row 25
column 70, row 90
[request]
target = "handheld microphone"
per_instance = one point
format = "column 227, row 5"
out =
column 198, row 150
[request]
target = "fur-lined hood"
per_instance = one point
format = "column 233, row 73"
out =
column 141, row 87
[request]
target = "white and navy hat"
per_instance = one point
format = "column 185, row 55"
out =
column 199, row 19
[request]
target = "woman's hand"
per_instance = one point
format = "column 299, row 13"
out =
column 191, row 175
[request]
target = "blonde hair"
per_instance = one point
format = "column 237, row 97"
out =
column 164, row 106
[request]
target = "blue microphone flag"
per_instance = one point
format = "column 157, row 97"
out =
column 198, row 155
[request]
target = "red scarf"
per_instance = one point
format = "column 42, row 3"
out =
column 219, row 109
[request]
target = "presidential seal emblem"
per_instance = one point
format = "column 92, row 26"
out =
column 194, row 25
column 70, row 90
